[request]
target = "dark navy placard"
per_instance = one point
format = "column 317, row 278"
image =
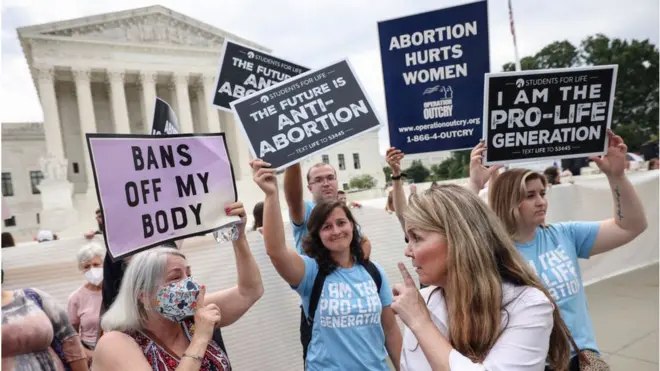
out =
column 306, row 114
column 245, row 71
column 430, row 113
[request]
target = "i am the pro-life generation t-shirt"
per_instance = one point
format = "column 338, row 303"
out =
column 347, row 333
column 553, row 254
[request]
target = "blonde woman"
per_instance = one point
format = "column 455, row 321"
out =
column 484, row 308
column 163, row 320
column 518, row 198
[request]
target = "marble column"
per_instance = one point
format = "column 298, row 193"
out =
column 148, row 87
column 183, row 102
column 118, row 98
column 200, row 106
column 57, row 211
column 238, row 144
column 86, row 115
column 212, row 118
column 52, row 129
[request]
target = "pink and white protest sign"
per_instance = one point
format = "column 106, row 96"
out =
column 154, row 189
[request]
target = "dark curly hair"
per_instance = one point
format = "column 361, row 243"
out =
column 313, row 246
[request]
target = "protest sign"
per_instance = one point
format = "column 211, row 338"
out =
column 306, row 114
column 244, row 71
column 557, row 113
column 165, row 120
column 433, row 66
column 157, row 189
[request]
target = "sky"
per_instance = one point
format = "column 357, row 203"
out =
column 320, row 32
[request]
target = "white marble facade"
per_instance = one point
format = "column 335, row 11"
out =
column 103, row 73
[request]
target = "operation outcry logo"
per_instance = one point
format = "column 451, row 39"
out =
column 442, row 103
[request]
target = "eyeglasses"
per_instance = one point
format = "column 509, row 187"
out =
column 320, row 179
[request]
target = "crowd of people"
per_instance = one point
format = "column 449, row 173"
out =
column 490, row 297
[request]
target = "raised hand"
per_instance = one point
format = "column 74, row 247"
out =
column 614, row 161
column 408, row 302
column 263, row 176
column 237, row 209
column 207, row 317
column 393, row 157
column 479, row 174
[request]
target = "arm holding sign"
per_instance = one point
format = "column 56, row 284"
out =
column 236, row 301
column 479, row 174
column 288, row 263
column 293, row 192
column 629, row 219
column 393, row 157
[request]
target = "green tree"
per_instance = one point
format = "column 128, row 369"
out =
column 365, row 181
column 417, row 172
column 388, row 174
column 635, row 113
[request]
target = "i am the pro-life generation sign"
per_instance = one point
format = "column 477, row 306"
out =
column 157, row 189
column 558, row 113
column 244, row 71
column 433, row 67
column 306, row 114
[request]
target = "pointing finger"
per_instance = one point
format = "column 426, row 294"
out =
column 407, row 279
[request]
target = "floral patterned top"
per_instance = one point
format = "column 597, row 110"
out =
column 161, row 360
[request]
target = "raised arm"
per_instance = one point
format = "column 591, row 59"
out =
column 479, row 174
column 393, row 157
column 293, row 193
column 287, row 262
column 629, row 219
column 236, row 301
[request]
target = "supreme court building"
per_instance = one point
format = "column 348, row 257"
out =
column 101, row 74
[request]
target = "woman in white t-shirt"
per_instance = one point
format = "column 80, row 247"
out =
column 484, row 309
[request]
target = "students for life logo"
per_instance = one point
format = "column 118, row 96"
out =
column 520, row 83
column 439, row 103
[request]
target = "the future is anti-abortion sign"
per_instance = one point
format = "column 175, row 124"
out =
column 306, row 114
column 433, row 67
column 559, row 113
column 244, row 71
column 156, row 189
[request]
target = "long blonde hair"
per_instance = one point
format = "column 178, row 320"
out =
column 481, row 257
column 507, row 192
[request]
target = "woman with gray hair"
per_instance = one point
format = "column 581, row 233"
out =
column 162, row 319
column 84, row 304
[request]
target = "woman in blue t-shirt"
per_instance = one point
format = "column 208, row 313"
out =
column 518, row 197
column 353, row 326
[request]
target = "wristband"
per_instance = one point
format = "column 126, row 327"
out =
column 397, row 177
column 199, row 358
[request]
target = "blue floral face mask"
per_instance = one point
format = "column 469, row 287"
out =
column 178, row 300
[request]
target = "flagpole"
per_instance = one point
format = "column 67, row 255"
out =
column 513, row 34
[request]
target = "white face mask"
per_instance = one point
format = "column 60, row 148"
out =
column 94, row 276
